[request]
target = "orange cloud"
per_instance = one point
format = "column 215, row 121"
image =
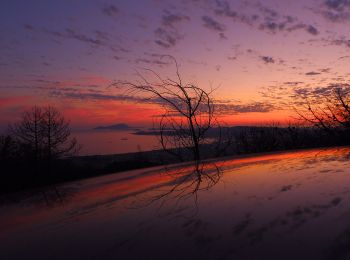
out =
column 13, row 101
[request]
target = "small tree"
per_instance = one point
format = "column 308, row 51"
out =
column 56, row 133
column 188, row 112
column 328, row 112
column 8, row 150
column 44, row 133
column 27, row 132
column 188, row 115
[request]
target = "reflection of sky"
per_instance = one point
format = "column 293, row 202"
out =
column 65, row 53
column 114, row 142
column 296, row 203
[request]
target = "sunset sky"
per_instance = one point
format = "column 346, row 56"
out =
column 259, row 53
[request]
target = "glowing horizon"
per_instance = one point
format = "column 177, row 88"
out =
column 67, row 54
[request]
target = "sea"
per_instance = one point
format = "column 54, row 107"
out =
column 101, row 142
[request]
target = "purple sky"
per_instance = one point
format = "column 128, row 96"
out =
column 66, row 53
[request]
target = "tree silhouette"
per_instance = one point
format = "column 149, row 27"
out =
column 56, row 135
column 329, row 112
column 188, row 116
column 44, row 134
column 188, row 113
column 27, row 132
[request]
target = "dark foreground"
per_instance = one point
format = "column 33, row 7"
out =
column 291, row 205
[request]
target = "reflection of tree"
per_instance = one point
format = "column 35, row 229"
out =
column 185, row 182
column 48, row 197
column 188, row 115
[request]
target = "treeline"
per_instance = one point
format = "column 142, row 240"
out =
column 39, row 150
column 265, row 139
column 259, row 139
column 31, row 152
column 24, row 167
column 243, row 140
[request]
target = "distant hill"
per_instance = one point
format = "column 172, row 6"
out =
column 117, row 127
column 212, row 132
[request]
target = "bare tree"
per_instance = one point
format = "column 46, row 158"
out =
column 56, row 135
column 40, row 137
column 44, row 132
column 8, row 149
column 188, row 112
column 27, row 132
column 184, row 126
column 329, row 112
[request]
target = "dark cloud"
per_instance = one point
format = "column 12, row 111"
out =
column 267, row 59
column 287, row 25
column 314, row 94
column 166, row 38
column 29, row 27
column 293, row 83
column 296, row 94
column 341, row 41
column 312, row 30
column 158, row 62
column 254, row 107
column 223, row 9
column 335, row 10
column 338, row 5
column 94, row 39
column 44, row 84
column 70, row 33
column 98, row 96
column 266, row 19
column 212, row 24
column 312, row 73
column 301, row 26
column 260, row 107
column 274, row 22
column 110, row 10
column 325, row 70
column 232, row 58
column 222, row 36
column 84, row 95
column 301, row 94
column 154, row 55
column 170, row 19
column 222, row 108
column 168, row 35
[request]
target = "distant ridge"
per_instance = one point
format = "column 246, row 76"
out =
column 210, row 133
column 116, row 127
